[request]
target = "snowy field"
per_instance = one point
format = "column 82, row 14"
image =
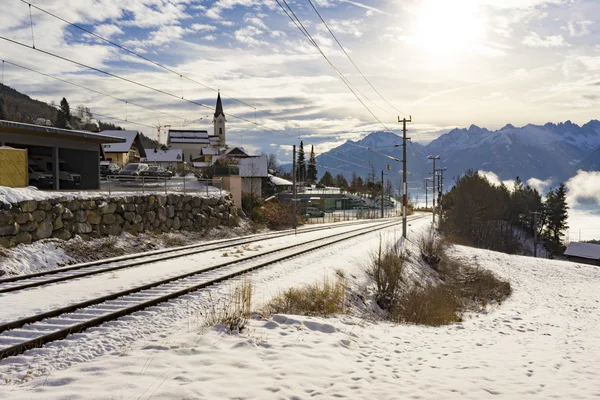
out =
column 541, row 343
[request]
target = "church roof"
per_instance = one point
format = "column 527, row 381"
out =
column 186, row 135
column 219, row 108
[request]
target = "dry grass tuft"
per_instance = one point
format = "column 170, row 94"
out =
column 174, row 240
column 234, row 314
column 431, row 305
column 387, row 271
column 317, row 299
column 432, row 250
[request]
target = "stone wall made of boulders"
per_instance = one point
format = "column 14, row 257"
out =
column 62, row 218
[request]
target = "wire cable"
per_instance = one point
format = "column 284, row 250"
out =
column 350, row 58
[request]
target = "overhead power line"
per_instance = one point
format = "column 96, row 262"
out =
column 115, row 44
column 348, row 162
column 94, row 90
column 137, row 83
column 350, row 58
column 309, row 37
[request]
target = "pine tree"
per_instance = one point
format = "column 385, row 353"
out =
column 327, row 179
column 340, row 181
column 63, row 118
column 301, row 164
column 311, row 172
column 2, row 116
column 556, row 217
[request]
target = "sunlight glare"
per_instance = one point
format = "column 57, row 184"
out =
column 449, row 28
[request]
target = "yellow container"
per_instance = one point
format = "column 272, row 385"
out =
column 13, row 167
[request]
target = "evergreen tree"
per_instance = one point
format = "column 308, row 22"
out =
column 2, row 116
column 311, row 172
column 301, row 164
column 556, row 210
column 63, row 118
column 327, row 179
column 340, row 181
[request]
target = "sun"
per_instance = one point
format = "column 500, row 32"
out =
column 449, row 28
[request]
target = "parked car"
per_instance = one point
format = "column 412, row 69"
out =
column 40, row 178
column 67, row 177
column 131, row 171
column 108, row 169
column 154, row 171
column 312, row 212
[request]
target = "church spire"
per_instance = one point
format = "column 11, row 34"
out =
column 219, row 108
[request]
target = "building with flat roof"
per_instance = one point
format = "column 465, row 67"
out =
column 73, row 156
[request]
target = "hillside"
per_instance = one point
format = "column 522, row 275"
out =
column 19, row 107
column 591, row 162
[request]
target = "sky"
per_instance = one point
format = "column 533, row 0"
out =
column 447, row 63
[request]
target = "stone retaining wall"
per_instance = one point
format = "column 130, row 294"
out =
column 63, row 218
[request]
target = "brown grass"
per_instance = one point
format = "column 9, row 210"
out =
column 432, row 250
column 234, row 314
column 317, row 299
column 431, row 305
column 386, row 269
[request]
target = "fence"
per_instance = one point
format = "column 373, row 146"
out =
column 160, row 184
column 354, row 214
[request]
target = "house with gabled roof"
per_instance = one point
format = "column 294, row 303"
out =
column 192, row 139
column 585, row 253
column 131, row 150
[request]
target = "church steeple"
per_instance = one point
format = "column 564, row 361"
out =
column 219, row 121
column 219, row 108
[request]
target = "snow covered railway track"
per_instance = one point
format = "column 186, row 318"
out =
column 34, row 331
column 20, row 282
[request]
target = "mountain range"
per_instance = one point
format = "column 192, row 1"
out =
column 550, row 151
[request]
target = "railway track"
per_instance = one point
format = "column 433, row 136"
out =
column 20, row 282
column 36, row 330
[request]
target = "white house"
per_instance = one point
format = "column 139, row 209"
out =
column 168, row 158
column 192, row 139
column 254, row 173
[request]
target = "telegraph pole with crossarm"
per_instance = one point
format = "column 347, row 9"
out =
column 404, row 184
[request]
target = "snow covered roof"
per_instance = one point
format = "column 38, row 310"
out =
column 187, row 135
column 209, row 151
column 131, row 138
column 277, row 181
column 255, row 167
column 584, row 250
column 103, row 137
column 236, row 151
column 168, row 155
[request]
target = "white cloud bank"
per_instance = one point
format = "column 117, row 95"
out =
column 584, row 186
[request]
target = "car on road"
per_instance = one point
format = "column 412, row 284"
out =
column 131, row 171
column 312, row 212
column 108, row 169
column 155, row 171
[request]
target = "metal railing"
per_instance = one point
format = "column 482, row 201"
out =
column 160, row 184
column 353, row 214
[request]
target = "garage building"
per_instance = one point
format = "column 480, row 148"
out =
column 76, row 152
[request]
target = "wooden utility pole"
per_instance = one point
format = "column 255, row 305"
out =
column 404, row 184
column 440, row 185
column 535, row 241
column 433, row 181
column 294, row 212
column 381, row 193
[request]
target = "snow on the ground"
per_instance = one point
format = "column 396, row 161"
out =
column 49, row 254
column 540, row 343
column 15, row 195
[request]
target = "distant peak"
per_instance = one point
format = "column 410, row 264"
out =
column 508, row 126
column 474, row 128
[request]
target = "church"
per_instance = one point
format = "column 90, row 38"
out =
column 195, row 143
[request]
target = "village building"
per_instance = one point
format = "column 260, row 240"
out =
column 585, row 253
column 130, row 151
column 191, row 140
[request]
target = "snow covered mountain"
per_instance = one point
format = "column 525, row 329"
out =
column 591, row 162
column 549, row 151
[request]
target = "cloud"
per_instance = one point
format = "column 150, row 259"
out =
column 248, row 35
column 495, row 180
column 108, row 30
column 348, row 26
column 534, row 40
column 579, row 28
column 202, row 27
column 585, row 186
column 538, row 184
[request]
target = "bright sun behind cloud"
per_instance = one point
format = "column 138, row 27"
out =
column 449, row 28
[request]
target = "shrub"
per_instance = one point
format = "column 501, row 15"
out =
column 479, row 287
column 278, row 216
column 234, row 314
column 387, row 271
column 250, row 202
column 431, row 305
column 317, row 299
column 432, row 250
